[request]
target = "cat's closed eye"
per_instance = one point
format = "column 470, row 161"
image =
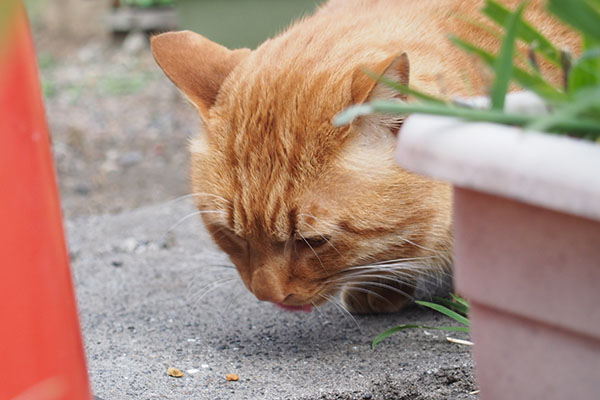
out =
column 229, row 240
column 312, row 242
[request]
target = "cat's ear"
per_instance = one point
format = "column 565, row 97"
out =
column 196, row 65
column 364, row 87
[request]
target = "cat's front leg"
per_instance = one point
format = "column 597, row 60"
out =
column 385, row 294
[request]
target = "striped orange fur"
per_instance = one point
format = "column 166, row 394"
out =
column 304, row 209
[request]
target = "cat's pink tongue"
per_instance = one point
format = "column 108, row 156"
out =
column 306, row 308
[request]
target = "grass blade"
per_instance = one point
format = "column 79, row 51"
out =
column 583, row 101
column 503, row 66
column 586, row 71
column 499, row 14
column 460, row 300
column 577, row 127
column 403, row 88
column 395, row 329
column 579, row 14
column 453, row 305
column 446, row 311
column 534, row 83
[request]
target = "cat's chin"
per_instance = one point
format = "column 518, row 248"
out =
column 304, row 308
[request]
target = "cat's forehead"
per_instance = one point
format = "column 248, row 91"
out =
column 274, row 206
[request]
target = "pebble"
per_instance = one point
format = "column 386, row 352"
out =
column 82, row 189
column 129, row 245
column 130, row 158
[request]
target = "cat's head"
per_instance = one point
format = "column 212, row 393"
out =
column 296, row 202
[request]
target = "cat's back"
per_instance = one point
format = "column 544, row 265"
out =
column 345, row 34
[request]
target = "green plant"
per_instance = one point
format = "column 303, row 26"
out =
column 457, row 309
column 148, row 3
column 575, row 107
column 122, row 84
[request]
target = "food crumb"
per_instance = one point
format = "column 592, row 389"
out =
column 175, row 372
column 232, row 377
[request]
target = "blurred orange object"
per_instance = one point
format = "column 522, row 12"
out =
column 41, row 351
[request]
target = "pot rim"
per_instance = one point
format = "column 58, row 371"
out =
column 550, row 171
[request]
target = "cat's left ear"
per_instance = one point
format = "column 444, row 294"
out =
column 365, row 88
column 197, row 65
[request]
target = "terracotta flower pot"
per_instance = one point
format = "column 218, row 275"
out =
column 527, row 251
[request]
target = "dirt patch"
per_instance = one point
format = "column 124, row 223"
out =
column 119, row 128
column 442, row 384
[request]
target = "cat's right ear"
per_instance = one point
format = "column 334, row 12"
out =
column 364, row 88
column 196, row 65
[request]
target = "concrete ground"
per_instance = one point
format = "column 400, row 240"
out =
column 149, row 300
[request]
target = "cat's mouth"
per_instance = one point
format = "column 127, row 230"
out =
column 304, row 308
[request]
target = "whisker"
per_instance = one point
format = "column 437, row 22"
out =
column 384, row 286
column 228, row 266
column 362, row 290
column 192, row 290
column 398, row 267
column 407, row 273
column 352, row 279
column 434, row 251
column 314, row 306
column 313, row 250
column 333, row 226
column 342, row 308
column 213, row 286
column 324, row 237
column 235, row 298
column 197, row 194
column 404, row 259
column 193, row 214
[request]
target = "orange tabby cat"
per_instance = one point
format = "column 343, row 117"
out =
column 304, row 209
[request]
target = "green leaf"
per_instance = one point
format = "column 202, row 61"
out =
column 574, row 126
column 395, row 329
column 446, row 311
column 535, row 83
column 586, row 71
column 582, row 101
column 503, row 66
column 351, row 113
column 460, row 300
column 595, row 3
column 579, row 14
column 499, row 14
column 453, row 305
column 403, row 88
column 396, row 107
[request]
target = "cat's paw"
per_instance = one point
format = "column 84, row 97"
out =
column 377, row 296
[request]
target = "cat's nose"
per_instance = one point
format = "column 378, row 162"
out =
column 267, row 287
